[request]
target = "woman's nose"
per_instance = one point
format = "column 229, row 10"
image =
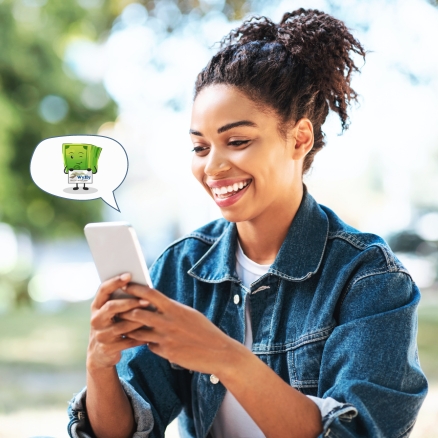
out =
column 217, row 163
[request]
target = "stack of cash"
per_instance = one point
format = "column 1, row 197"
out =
column 80, row 156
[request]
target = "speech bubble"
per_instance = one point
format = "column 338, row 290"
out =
column 72, row 167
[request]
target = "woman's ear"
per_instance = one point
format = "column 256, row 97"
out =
column 303, row 134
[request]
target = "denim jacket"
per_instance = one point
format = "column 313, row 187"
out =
column 335, row 316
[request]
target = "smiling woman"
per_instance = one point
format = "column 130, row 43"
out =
column 279, row 320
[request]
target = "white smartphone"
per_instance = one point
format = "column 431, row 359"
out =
column 115, row 249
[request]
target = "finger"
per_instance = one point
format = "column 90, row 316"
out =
column 144, row 336
column 147, row 293
column 113, row 334
column 106, row 315
column 142, row 316
column 115, row 307
column 123, row 328
column 108, row 287
column 125, row 343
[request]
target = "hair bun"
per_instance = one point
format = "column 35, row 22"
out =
column 314, row 37
column 301, row 67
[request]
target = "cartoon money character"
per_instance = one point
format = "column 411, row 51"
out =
column 80, row 162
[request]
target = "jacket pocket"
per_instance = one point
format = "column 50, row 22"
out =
column 298, row 362
column 304, row 360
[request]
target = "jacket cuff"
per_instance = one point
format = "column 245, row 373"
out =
column 330, row 410
column 79, row 426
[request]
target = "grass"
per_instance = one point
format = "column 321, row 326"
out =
column 42, row 357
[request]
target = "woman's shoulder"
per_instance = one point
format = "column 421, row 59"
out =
column 192, row 246
column 363, row 246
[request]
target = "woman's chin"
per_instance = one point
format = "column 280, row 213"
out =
column 235, row 216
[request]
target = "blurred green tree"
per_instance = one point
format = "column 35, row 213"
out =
column 33, row 76
column 33, row 37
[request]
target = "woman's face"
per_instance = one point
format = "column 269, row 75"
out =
column 240, row 157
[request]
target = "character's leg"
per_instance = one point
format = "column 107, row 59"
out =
column 77, row 187
column 85, row 188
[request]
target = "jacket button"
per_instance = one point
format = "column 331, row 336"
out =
column 236, row 299
column 214, row 379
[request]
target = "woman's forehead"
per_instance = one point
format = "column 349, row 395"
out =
column 219, row 104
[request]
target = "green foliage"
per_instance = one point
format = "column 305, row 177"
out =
column 33, row 37
column 32, row 40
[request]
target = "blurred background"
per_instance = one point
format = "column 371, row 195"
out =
column 126, row 70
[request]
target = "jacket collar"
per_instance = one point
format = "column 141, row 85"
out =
column 299, row 257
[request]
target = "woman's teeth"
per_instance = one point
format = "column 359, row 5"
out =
column 229, row 190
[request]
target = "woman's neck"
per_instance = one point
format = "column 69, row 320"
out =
column 262, row 237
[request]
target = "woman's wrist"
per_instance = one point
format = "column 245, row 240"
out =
column 233, row 362
column 96, row 368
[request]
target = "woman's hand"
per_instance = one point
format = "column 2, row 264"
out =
column 108, row 332
column 177, row 332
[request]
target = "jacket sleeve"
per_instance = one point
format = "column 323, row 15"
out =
column 79, row 426
column 370, row 362
column 156, row 390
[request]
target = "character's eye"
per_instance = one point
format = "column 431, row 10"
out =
column 71, row 156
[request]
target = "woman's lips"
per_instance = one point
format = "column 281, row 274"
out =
column 231, row 198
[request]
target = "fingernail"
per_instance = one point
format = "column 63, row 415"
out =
column 125, row 277
column 124, row 287
column 143, row 303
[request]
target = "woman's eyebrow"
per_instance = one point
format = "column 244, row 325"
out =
column 227, row 127
column 235, row 124
column 193, row 132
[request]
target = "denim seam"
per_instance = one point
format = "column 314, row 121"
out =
column 349, row 238
column 202, row 259
column 181, row 239
column 356, row 280
column 390, row 261
column 290, row 359
column 273, row 310
column 287, row 277
column 200, row 237
column 220, row 280
column 308, row 338
column 338, row 412
column 408, row 428
column 300, row 383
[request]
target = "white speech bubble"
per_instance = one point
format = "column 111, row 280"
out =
column 48, row 171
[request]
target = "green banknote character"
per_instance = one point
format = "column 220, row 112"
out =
column 80, row 156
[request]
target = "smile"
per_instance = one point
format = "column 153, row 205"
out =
column 226, row 195
column 227, row 191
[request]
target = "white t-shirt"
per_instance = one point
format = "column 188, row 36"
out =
column 232, row 421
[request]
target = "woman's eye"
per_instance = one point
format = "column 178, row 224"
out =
column 198, row 149
column 238, row 142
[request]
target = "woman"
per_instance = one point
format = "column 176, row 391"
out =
column 279, row 320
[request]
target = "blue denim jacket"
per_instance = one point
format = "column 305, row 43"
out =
column 335, row 316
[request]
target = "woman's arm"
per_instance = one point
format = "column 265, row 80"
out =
column 108, row 408
column 186, row 337
column 276, row 407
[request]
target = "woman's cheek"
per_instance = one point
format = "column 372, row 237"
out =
column 197, row 169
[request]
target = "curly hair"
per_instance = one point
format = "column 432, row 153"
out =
column 300, row 67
